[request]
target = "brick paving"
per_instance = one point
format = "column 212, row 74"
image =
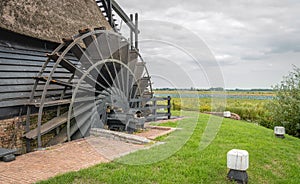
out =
column 155, row 131
column 112, row 149
column 71, row 156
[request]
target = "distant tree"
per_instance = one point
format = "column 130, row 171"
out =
column 216, row 89
column 285, row 108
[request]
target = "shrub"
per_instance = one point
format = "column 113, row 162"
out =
column 285, row 108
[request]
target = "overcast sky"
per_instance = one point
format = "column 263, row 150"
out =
column 254, row 42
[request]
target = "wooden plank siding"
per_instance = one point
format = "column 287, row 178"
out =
column 19, row 65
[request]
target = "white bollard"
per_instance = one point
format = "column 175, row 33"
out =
column 279, row 131
column 238, row 163
column 227, row 114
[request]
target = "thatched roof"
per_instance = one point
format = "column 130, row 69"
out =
column 50, row 20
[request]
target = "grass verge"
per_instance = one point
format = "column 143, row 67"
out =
column 272, row 160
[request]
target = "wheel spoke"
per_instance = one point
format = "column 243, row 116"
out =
column 106, row 72
column 103, row 45
column 78, row 72
column 123, row 79
column 96, row 50
column 114, row 46
column 111, row 77
column 81, row 55
column 117, row 77
column 127, row 83
column 124, row 52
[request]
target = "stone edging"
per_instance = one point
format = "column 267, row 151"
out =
column 120, row 136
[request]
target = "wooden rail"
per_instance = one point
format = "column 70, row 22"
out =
column 154, row 107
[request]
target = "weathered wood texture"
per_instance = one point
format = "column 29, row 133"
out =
column 21, row 58
column 17, row 72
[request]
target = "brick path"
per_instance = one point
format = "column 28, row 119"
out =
column 71, row 156
column 155, row 131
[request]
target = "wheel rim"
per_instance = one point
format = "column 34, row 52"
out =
column 91, row 53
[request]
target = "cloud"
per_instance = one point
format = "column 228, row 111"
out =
column 243, row 35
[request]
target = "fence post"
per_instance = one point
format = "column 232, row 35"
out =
column 131, row 33
column 136, row 32
column 169, row 107
column 154, row 108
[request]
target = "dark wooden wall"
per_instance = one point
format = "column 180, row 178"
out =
column 21, row 58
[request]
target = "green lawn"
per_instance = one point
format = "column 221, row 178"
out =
column 179, row 160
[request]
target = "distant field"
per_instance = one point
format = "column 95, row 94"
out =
column 268, row 93
column 259, row 95
column 250, row 105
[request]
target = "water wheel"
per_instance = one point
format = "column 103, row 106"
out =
column 102, row 80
